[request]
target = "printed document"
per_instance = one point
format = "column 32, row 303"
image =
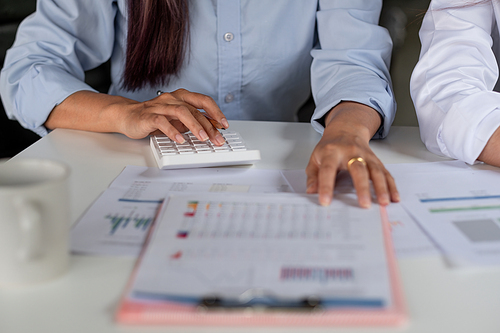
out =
column 279, row 247
column 457, row 205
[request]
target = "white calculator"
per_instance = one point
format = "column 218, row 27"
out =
column 194, row 153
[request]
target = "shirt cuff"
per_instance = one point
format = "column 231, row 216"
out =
column 41, row 89
column 359, row 93
column 464, row 134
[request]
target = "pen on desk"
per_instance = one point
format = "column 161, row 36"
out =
column 214, row 122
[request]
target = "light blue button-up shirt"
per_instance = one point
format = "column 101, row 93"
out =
column 258, row 60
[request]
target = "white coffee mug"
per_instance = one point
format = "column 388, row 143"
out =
column 34, row 221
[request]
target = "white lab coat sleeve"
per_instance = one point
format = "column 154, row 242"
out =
column 452, row 83
column 52, row 50
column 352, row 60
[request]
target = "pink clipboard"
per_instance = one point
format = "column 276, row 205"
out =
column 134, row 312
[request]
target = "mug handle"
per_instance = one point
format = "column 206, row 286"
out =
column 30, row 225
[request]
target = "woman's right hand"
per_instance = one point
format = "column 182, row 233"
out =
column 173, row 113
column 170, row 113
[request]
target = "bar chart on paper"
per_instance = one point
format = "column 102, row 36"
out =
column 471, row 204
column 237, row 220
column 476, row 218
column 458, row 206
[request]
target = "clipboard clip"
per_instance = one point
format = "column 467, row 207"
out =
column 256, row 299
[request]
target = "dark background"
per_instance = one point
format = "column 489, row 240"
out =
column 401, row 17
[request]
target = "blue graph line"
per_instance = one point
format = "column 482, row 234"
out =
column 461, row 198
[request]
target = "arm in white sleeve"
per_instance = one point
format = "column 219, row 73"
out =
column 452, row 84
column 352, row 60
column 53, row 48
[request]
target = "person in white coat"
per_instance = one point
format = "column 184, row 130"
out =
column 453, row 85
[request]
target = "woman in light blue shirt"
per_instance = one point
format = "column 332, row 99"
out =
column 233, row 59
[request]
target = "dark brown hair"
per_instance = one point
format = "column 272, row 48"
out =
column 158, row 33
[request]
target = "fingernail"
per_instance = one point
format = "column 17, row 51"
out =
column 224, row 122
column 203, row 135
column 219, row 139
column 324, row 200
column 384, row 199
column 179, row 138
column 365, row 202
column 396, row 197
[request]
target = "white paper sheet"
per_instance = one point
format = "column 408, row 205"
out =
column 118, row 221
column 457, row 205
column 280, row 246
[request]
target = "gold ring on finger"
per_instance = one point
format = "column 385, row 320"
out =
column 356, row 159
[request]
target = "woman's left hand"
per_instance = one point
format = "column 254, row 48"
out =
column 345, row 146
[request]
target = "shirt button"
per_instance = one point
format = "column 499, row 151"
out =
column 229, row 98
column 228, row 36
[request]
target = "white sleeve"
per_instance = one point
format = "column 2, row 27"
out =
column 452, row 84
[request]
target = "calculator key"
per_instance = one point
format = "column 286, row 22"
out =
column 164, row 139
column 221, row 148
column 237, row 144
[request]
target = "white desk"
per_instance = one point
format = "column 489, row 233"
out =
column 84, row 300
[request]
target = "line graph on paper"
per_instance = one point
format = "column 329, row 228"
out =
column 120, row 223
column 131, row 222
column 115, row 229
column 124, row 231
